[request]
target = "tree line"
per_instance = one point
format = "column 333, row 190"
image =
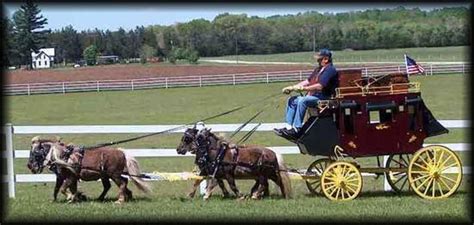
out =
column 229, row 34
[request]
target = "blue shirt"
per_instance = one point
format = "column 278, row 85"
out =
column 328, row 79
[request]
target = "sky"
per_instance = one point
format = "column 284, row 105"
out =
column 113, row 16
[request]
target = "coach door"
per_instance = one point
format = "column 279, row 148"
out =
column 382, row 135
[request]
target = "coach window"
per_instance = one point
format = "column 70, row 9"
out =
column 348, row 110
column 412, row 108
column 381, row 112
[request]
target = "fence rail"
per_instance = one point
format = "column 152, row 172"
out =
column 10, row 154
column 205, row 80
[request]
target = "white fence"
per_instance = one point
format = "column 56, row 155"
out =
column 204, row 80
column 10, row 154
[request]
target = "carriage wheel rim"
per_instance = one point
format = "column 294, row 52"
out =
column 341, row 181
column 316, row 168
column 435, row 172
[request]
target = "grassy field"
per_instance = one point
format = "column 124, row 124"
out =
column 434, row 54
column 445, row 95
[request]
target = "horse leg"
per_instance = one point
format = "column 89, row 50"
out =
column 211, row 184
column 73, row 188
column 262, row 180
column 194, row 188
column 59, row 183
column 222, row 186
column 233, row 187
column 106, row 184
column 121, row 182
column 63, row 189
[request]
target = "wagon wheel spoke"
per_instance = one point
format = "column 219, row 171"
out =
column 400, row 178
column 428, row 186
column 440, row 188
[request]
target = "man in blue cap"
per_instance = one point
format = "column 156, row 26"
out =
column 320, row 84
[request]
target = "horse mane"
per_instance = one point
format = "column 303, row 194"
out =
column 41, row 139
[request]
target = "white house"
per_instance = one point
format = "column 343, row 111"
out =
column 43, row 59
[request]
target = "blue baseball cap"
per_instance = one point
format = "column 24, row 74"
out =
column 324, row 52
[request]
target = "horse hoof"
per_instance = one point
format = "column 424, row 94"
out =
column 118, row 202
column 191, row 195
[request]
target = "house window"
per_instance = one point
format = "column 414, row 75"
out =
column 39, row 63
column 46, row 63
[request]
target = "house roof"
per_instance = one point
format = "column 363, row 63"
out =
column 48, row 51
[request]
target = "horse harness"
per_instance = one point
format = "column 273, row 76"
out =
column 211, row 167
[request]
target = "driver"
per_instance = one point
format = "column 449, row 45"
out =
column 320, row 84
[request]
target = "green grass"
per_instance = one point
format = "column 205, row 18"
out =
column 433, row 54
column 445, row 95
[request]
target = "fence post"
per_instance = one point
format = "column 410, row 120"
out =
column 366, row 74
column 301, row 75
column 399, row 70
column 200, row 81
column 98, row 89
column 233, row 79
column 386, row 185
column 8, row 130
column 28, row 89
column 132, row 85
column 267, row 75
column 166, row 82
column 431, row 69
column 463, row 69
column 64, row 88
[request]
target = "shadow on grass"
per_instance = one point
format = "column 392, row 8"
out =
column 377, row 194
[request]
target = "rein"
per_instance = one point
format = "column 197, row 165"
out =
column 182, row 126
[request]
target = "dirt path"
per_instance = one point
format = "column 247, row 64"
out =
column 135, row 71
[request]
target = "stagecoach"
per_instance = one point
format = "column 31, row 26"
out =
column 376, row 117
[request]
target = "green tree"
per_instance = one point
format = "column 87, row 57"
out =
column 90, row 55
column 29, row 32
column 146, row 52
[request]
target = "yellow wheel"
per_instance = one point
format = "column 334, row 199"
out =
column 315, row 170
column 435, row 172
column 341, row 181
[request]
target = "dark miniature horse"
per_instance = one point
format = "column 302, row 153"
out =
column 187, row 145
column 101, row 163
column 241, row 161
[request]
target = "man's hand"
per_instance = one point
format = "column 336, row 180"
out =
column 287, row 90
column 298, row 88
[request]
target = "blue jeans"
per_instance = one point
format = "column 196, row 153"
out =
column 296, row 108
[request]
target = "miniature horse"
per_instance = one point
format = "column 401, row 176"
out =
column 241, row 161
column 100, row 163
column 187, row 145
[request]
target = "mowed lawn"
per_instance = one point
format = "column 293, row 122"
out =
column 445, row 95
column 432, row 54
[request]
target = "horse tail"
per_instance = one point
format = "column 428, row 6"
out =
column 133, row 169
column 284, row 177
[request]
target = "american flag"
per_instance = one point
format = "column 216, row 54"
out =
column 412, row 66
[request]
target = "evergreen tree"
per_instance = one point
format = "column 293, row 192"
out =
column 29, row 32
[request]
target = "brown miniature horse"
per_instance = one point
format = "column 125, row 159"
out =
column 102, row 163
column 241, row 161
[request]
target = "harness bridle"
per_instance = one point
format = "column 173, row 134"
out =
column 38, row 155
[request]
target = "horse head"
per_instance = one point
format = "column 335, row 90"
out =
column 188, row 142
column 40, row 153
